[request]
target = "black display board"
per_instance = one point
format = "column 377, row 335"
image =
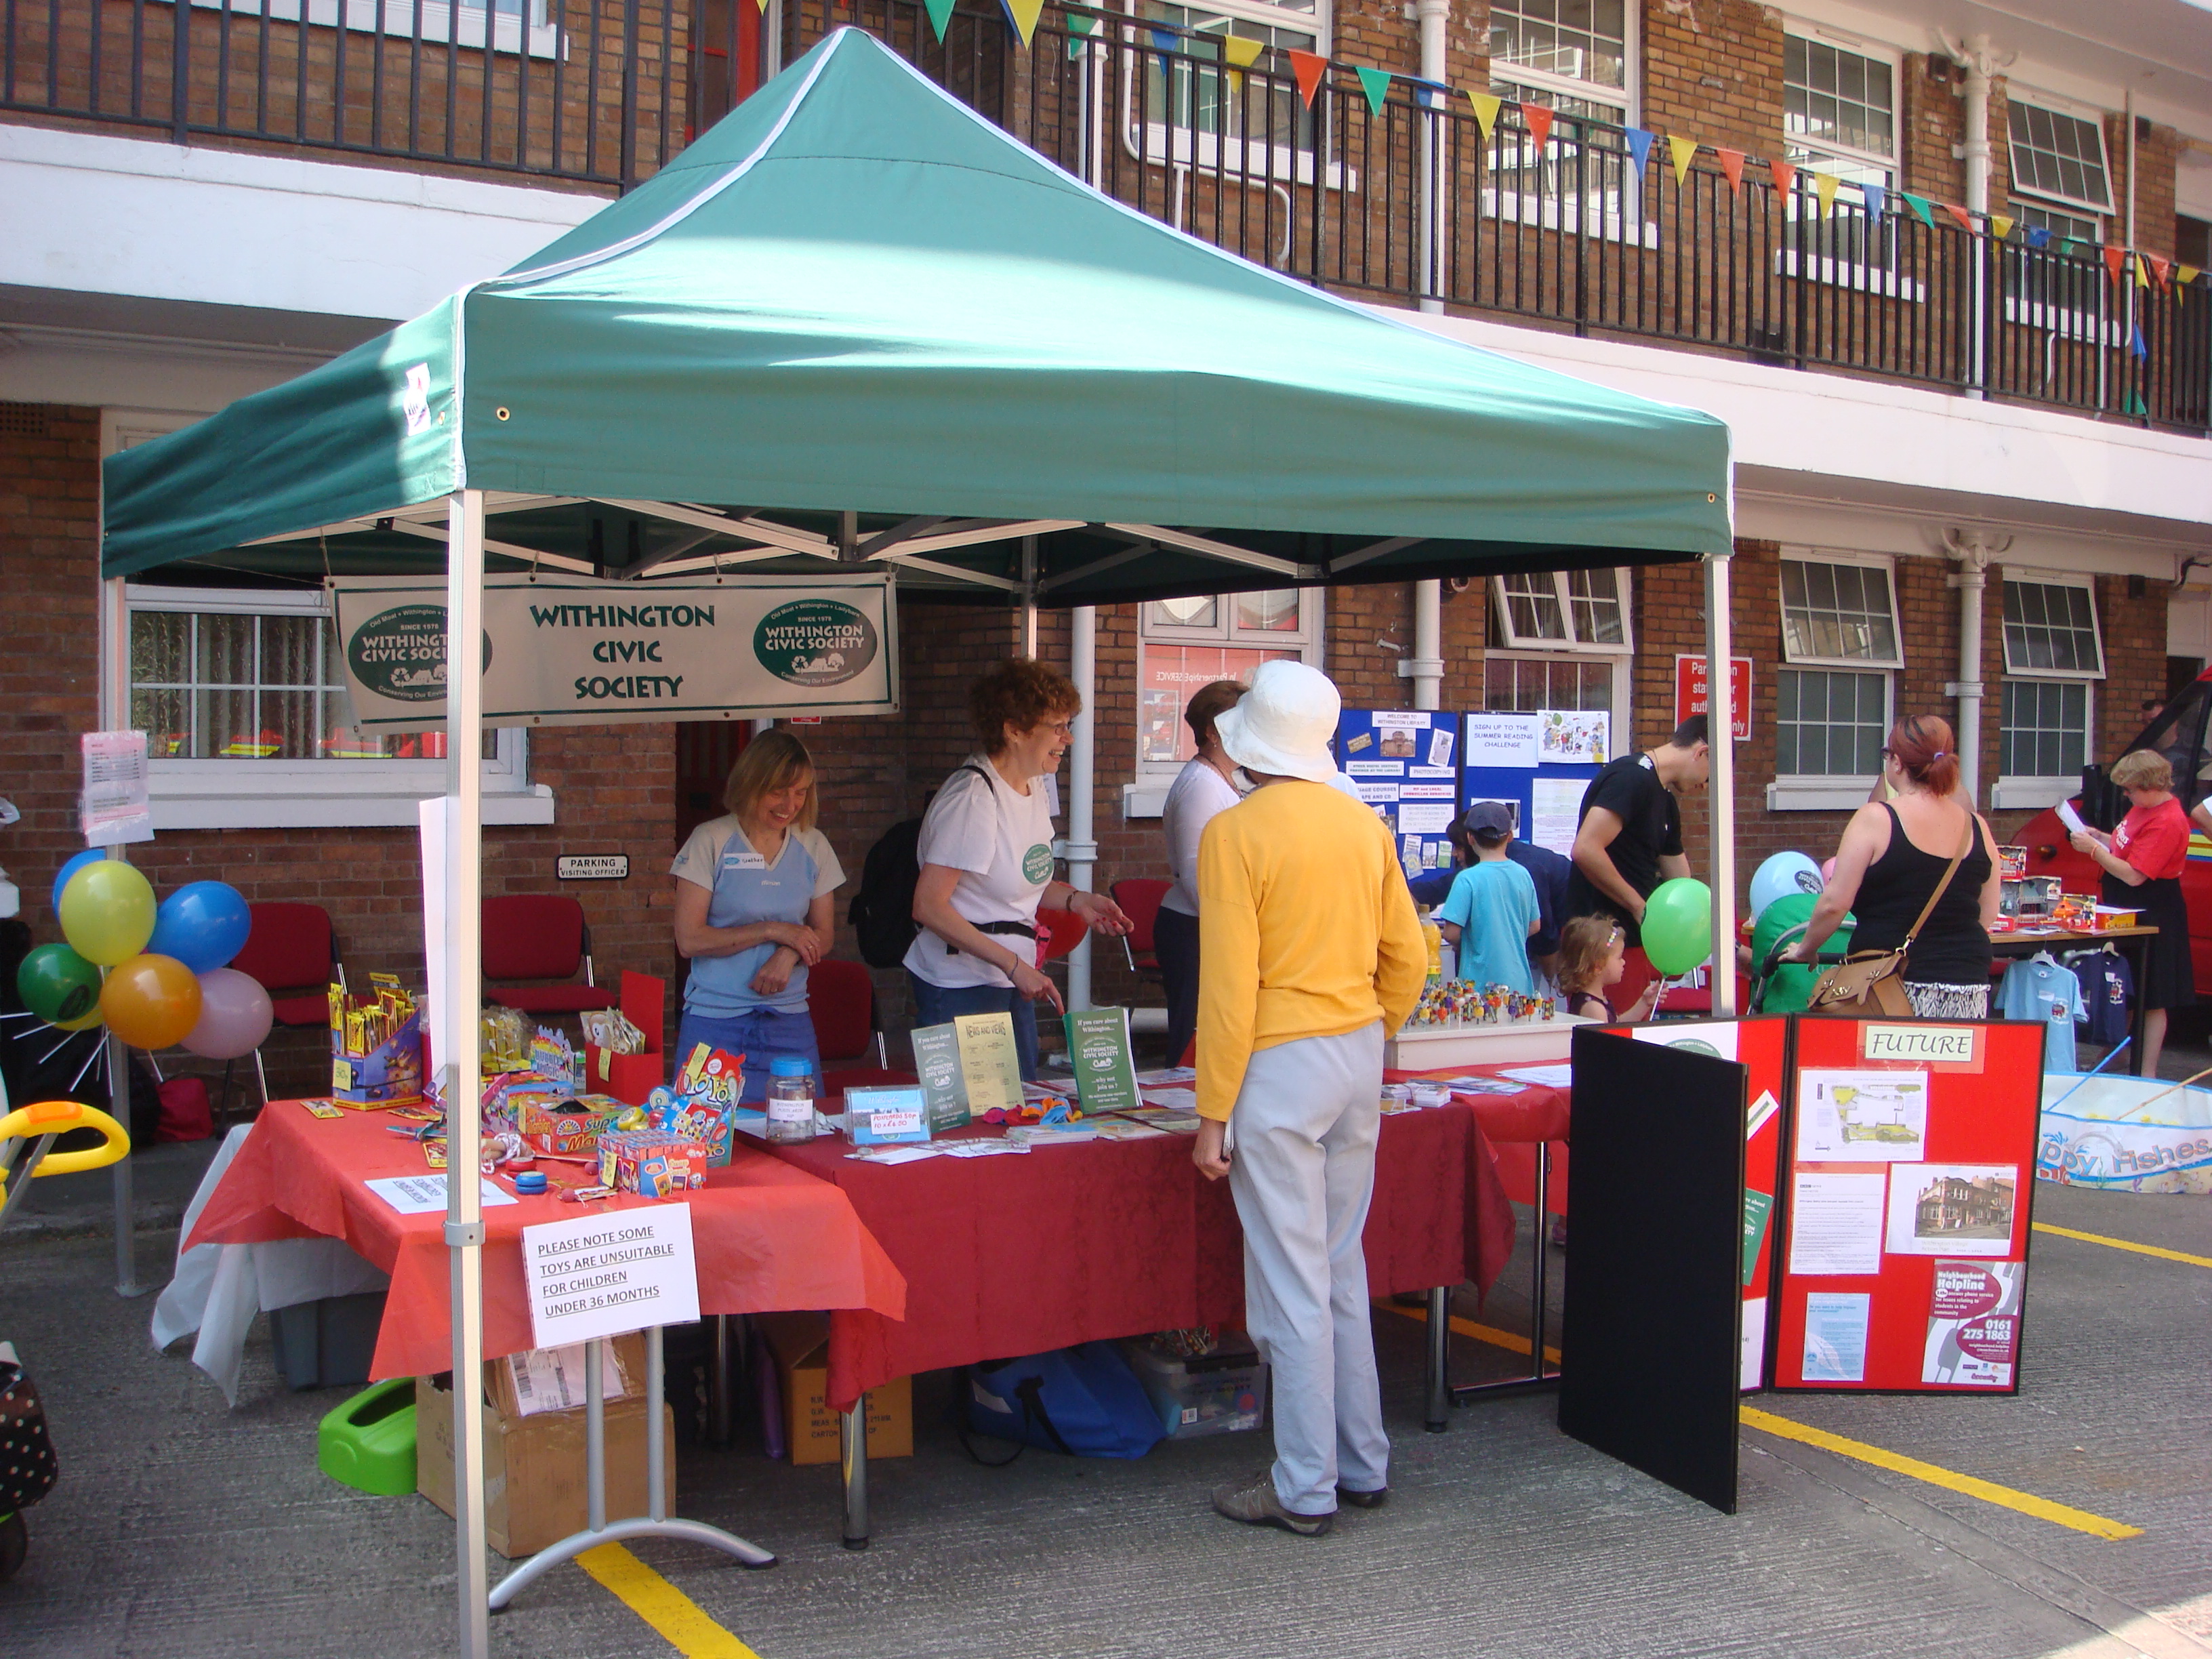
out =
column 1654, row 1307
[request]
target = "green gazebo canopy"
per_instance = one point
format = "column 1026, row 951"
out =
column 855, row 322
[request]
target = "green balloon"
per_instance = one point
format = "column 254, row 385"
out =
column 57, row 985
column 1678, row 925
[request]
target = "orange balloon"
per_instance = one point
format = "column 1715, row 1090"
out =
column 150, row 1002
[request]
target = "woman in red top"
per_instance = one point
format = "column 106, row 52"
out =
column 2142, row 861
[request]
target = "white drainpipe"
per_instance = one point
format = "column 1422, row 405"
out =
column 1972, row 549
column 1426, row 668
column 1974, row 55
column 1082, row 772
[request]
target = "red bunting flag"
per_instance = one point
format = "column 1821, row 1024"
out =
column 1731, row 162
column 1538, row 120
column 2116, row 260
column 1965, row 219
column 1783, row 174
column 1309, row 68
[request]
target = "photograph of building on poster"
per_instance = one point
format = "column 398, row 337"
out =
column 1952, row 1209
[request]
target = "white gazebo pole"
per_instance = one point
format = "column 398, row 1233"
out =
column 1082, row 772
column 114, row 716
column 1720, row 721
column 460, row 1030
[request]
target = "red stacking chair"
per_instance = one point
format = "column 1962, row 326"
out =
column 1061, row 931
column 292, row 952
column 1140, row 899
column 540, row 936
column 841, row 1000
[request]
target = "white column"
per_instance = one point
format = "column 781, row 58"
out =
column 1431, row 15
column 1082, row 787
column 1971, row 549
column 460, row 1032
column 1426, row 667
column 115, row 716
column 1720, row 720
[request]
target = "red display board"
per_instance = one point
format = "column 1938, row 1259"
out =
column 1761, row 1047
column 1909, row 1167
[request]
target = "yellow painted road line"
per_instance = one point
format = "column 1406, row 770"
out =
column 2043, row 1508
column 2125, row 1244
column 661, row 1605
column 1467, row 1327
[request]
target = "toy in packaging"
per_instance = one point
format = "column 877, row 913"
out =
column 554, row 1058
column 506, row 1039
column 376, row 1045
column 651, row 1162
column 702, row 1119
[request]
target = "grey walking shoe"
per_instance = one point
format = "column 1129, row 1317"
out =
column 1363, row 1500
column 1255, row 1504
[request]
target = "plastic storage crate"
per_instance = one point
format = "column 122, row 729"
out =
column 1218, row 1393
column 327, row 1344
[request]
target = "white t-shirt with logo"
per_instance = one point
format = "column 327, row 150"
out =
column 1002, row 843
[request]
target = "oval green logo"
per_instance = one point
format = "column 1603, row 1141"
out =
column 1036, row 865
column 400, row 653
column 815, row 643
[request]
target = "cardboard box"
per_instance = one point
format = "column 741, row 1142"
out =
column 799, row 1343
column 534, row 1472
column 630, row 1078
column 629, row 1366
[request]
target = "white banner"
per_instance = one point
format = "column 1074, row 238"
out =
column 568, row 651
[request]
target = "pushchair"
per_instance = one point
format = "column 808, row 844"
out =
column 1779, row 988
column 27, row 1468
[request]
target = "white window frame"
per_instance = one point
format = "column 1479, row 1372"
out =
column 1829, row 792
column 1883, row 278
column 1625, row 98
column 2050, row 104
column 1611, row 212
column 1144, row 798
column 2014, row 790
column 462, row 24
column 1881, row 561
column 1624, row 677
column 1520, row 645
column 218, row 793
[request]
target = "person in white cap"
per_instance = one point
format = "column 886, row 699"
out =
column 1312, row 952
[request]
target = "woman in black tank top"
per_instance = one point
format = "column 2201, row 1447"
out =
column 1886, row 879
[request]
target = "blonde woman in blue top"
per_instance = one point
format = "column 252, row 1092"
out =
column 753, row 913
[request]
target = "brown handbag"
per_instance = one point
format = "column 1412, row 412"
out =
column 1870, row 984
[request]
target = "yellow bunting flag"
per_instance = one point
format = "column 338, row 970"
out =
column 1240, row 51
column 1999, row 226
column 1023, row 14
column 2143, row 272
column 1683, row 150
column 1486, row 105
column 2185, row 275
column 1824, row 187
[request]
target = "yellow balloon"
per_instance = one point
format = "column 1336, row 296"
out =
column 151, row 1002
column 83, row 1024
column 108, row 912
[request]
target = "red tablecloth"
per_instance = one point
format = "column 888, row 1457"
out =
column 768, row 1237
column 1012, row 1255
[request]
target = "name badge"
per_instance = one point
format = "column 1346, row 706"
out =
column 745, row 861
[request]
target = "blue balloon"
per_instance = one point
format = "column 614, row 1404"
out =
column 203, row 924
column 1781, row 876
column 90, row 855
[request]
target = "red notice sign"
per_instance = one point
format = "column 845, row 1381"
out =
column 1690, row 692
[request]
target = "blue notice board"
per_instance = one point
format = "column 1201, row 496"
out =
column 1406, row 762
column 1538, row 765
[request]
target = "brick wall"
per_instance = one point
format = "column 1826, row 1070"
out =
column 1931, row 119
column 1712, row 71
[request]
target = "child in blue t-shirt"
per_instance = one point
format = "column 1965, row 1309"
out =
column 1491, row 910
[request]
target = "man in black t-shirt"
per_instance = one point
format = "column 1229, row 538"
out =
column 1630, row 836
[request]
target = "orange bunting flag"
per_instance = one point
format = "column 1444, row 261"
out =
column 1965, row 219
column 2116, row 260
column 1999, row 226
column 1683, row 150
column 1309, row 68
column 1538, row 120
column 1486, row 105
column 1824, row 187
column 2158, row 269
column 1731, row 162
column 1783, row 174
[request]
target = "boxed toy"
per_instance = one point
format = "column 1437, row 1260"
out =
column 568, row 1123
column 376, row 1045
column 632, row 1077
column 651, row 1162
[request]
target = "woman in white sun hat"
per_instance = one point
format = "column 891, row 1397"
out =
column 1311, row 952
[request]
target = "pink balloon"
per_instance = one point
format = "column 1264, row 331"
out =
column 1827, row 870
column 234, row 1016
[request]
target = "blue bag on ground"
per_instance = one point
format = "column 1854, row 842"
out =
column 1085, row 1401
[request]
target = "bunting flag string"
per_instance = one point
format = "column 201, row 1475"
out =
column 1538, row 119
column 1824, row 187
column 1922, row 209
column 2001, row 227
column 1731, row 162
column 1375, row 83
column 1639, row 148
column 941, row 15
column 1023, row 15
column 1783, row 174
column 1683, row 150
column 1308, row 68
column 1876, row 198
column 1486, row 105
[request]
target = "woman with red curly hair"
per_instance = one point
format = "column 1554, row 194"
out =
column 986, row 862
column 1893, row 857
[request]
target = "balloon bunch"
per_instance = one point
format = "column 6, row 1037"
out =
column 166, row 979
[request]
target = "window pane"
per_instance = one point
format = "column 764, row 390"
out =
column 161, row 643
column 1532, row 608
column 2056, row 154
column 1274, row 613
column 1595, row 597
column 1201, row 612
column 2050, row 626
column 290, row 654
column 1580, row 41
column 1831, row 96
column 2045, row 728
column 226, row 650
column 1837, row 612
column 1514, row 685
column 166, row 719
column 1167, row 675
column 208, row 685
column 1828, row 724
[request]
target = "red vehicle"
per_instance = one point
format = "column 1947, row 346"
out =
column 2176, row 731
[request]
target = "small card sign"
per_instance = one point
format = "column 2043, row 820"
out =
column 937, row 1062
column 592, row 867
column 1098, row 1048
column 988, row 1062
column 604, row 1275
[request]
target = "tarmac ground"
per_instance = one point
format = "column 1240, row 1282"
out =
column 184, row 1529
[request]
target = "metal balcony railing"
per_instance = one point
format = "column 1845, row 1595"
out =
column 1401, row 196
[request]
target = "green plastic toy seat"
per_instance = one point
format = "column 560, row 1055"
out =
column 368, row 1442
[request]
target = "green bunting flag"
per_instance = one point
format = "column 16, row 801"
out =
column 1922, row 208
column 941, row 15
column 1078, row 27
column 1375, row 83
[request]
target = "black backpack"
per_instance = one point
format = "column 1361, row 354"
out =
column 882, row 912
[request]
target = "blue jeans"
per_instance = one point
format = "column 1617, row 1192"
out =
column 761, row 1034
column 934, row 1005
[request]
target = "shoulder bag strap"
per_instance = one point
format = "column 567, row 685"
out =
column 1942, row 886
